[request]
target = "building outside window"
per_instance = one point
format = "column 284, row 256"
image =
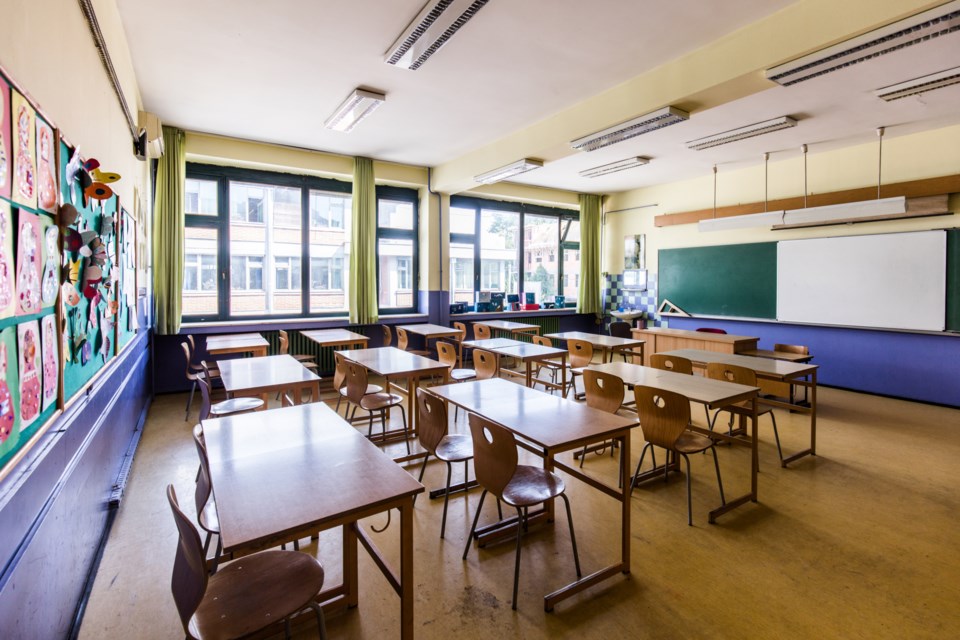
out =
column 287, row 272
column 396, row 257
column 199, row 272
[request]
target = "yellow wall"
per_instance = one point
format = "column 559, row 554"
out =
column 911, row 157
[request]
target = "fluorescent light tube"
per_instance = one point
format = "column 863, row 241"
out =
column 843, row 213
column 433, row 27
column 919, row 85
column 508, row 171
column 742, row 133
column 355, row 108
column 613, row 167
column 765, row 219
column 629, row 129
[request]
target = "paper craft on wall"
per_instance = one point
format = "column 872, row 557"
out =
column 7, row 277
column 24, row 145
column 51, row 280
column 28, row 339
column 9, row 424
column 6, row 157
column 29, row 257
column 46, row 167
column 51, row 364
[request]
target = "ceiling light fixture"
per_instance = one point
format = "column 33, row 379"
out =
column 508, row 171
column 613, row 167
column 631, row 128
column 355, row 108
column 919, row 85
column 893, row 37
column 430, row 30
column 746, row 221
column 742, row 133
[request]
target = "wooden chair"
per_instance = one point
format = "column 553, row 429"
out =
column 308, row 361
column 462, row 328
column 799, row 350
column 387, row 335
column 519, row 486
column 676, row 364
column 710, row 330
column 206, row 507
column 604, row 392
column 620, row 329
column 552, row 367
column 247, row 595
column 581, row 355
column 664, row 418
column 486, row 363
column 481, row 331
column 193, row 369
column 223, row 408
column 447, row 354
column 740, row 375
column 340, row 380
column 403, row 343
column 356, row 376
column 450, row 448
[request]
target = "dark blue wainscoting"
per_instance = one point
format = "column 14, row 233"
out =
column 915, row 366
column 54, row 506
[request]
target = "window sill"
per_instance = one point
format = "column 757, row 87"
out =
column 333, row 322
column 474, row 315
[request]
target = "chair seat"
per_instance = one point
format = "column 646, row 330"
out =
column 371, row 389
column 252, row 592
column 374, row 401
column 531, row 485
column 744, row 409
column 462, row 374
column 690, row 442
column 235, row 405
column 304, row 358
column 209, row 520
column 578, row 371
column 455, row 447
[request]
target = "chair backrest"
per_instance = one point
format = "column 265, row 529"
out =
column 201, row 493
column 798, row 349
column 432, row 414
column 339, row 371
column 356, row 377
column 284, row 342
column 191, row 376
column 485, row 364
column 462, row 328
column 447, row 353
column 604, row 390
column 671, row 363
column 620, row 329
column 387, row 335
column 732, row 373
column 494, row 454
column 193, row 348
column 403, row 340
column 189, row 581
column 581, row 353
column 543, row 342
column 203, row 381
column 481, row 331
column 664, row 415
column 710, row 330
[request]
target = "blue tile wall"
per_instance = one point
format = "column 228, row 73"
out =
column 616, row 298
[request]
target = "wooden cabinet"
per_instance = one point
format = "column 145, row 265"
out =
column 659, row 339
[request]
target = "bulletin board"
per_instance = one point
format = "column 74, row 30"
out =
column 126, row 293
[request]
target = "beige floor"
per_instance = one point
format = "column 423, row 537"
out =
column 860, row 542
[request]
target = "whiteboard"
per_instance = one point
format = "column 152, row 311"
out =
column 894, row 281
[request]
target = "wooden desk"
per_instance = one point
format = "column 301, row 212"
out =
column 305, row 471
column 252, row 343
column 337, row 338
column 431, row 332
column 608, row 345
column 267, row 374
column 714, row 394
column 527, row 354
column 769, row 387
column 660, row 340
column 548, row 425
column 800, row 374
column 513, row 328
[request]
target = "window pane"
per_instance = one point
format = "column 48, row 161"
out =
column 573, row 231
column 264, row 234
column 396, row 273
column 499, row 232
column 463, row 220
column 461, row 273
column 329, row 250
column 541, row 267
column 395, row 215
column 200, row 197
column 571, row 266
column 199, row 271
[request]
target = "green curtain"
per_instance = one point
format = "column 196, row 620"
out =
column 168, row 232
column 363, row 245
column 588, row 298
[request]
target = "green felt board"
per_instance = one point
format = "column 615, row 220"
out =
column 737, row 280
column 953, row 280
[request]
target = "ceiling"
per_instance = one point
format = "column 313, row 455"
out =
column 273, row 72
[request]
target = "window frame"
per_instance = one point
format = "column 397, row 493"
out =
column 411, row 196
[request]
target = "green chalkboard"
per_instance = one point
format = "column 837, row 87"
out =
column 953, row 280
column 736, row 280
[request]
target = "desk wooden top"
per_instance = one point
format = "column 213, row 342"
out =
column 778, row 355
column 249, row 374
column 695, row 335
column 509, row 325
column 528, row 351
column 765, row 367
column 696, row 388
column 597, row 340
column 335, row 337
column 491, row 344
column 236, row 342
column 550, row 422
column 430, row 330
column 279, row 471
column 390, row 361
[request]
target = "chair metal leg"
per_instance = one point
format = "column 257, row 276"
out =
column 216, row 557
column 689, row 499
column 716, row 464
column 643, row 452
column 516, row 566
column 406, row 431
column 446, row 499
column 473, row 529
column 321, row 623
column 339, row 398
column 776, row 436
column 193, row 389
column 573, row 536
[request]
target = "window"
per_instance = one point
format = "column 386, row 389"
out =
column 326, row 274
column 396, row 259
column 328, row 210
column 246, row 203
column 200, row 197
column 287, row 273
column 200, row 272
column 246, row 273
column 329, row 249
column 200, row 269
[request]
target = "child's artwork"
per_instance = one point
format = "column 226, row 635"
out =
column 28, row 338
column 46, row 167
column 51, row 281
column 6, row 158
column 51, row 363
column 24, row 160
column 8, row 381
column 7, row 293
column 29, row 257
